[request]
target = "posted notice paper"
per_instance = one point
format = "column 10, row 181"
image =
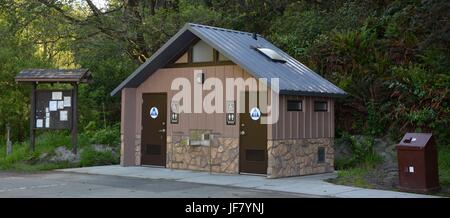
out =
column 67, row 101
column 60, row 104
column 39, row 123
column 53, row 105
column 56, row 95
column 63, row 115
column 47, row 122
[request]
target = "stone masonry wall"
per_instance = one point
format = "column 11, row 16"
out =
column 137, row 143
column 223, row 154
column 295, row 157
column 292, row 157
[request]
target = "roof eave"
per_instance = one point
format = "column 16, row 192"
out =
column 53, row 80
column 225, row 53
column 315, row 94
column 84, row 77
column 149, row 60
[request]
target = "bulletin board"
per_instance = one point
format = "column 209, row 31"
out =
column 53, row 109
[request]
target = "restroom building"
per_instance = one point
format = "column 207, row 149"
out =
column 154, row 132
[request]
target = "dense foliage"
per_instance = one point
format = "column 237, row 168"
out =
column 392, row 57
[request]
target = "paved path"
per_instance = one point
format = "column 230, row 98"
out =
column 313, row 185
column 73, row 185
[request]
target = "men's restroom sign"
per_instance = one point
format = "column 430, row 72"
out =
column 255, row 113
column 153, row 112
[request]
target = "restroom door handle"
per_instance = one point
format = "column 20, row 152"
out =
column 242, row 132
column 162, row 130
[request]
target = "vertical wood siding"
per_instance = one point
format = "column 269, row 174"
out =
column 127, row 127
column 290, row 125
column 161, row 81
column 306, row 123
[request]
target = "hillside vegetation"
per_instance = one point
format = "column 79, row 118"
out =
column 392, row 57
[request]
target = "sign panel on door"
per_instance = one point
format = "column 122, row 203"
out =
column 252, row 140
column 153, row 136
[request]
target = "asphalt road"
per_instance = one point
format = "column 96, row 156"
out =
column 75, row 185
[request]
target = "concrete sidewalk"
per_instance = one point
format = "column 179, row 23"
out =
column 311, row 185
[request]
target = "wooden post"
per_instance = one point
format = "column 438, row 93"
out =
column 32, row 115
column 74, row 118
column 8, row 140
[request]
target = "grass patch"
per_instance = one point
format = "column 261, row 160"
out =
column 352, row 177
column 22, row 159
column 25, row 167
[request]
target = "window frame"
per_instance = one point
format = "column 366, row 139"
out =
column 271, row 54
column 294, row 110
column 321, row 110
column 191, row 63
column 191, row 59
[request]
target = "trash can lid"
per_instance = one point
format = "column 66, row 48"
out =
column 415, row 139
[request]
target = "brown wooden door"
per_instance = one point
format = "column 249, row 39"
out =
column 252, row 142
column 153, row 136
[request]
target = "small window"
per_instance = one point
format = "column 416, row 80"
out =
column 320, row 106
column 202, row 52
column 321, row 155
column 271, row 54
column 293, row 105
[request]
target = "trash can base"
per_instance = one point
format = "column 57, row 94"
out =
column 419, row 190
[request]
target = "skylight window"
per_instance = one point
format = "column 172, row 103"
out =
column 273, row 55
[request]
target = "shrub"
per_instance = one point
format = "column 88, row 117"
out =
column 362, row 152
column 343, row 163
column 444, row 165
column 104, row 136
column 375, row 120
column 90, row 157
column 20, row 152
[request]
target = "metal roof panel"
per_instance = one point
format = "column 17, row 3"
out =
column 238, row 46
column 53, row 75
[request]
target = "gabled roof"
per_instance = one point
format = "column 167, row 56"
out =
column 294, row 77
column 53, row 75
